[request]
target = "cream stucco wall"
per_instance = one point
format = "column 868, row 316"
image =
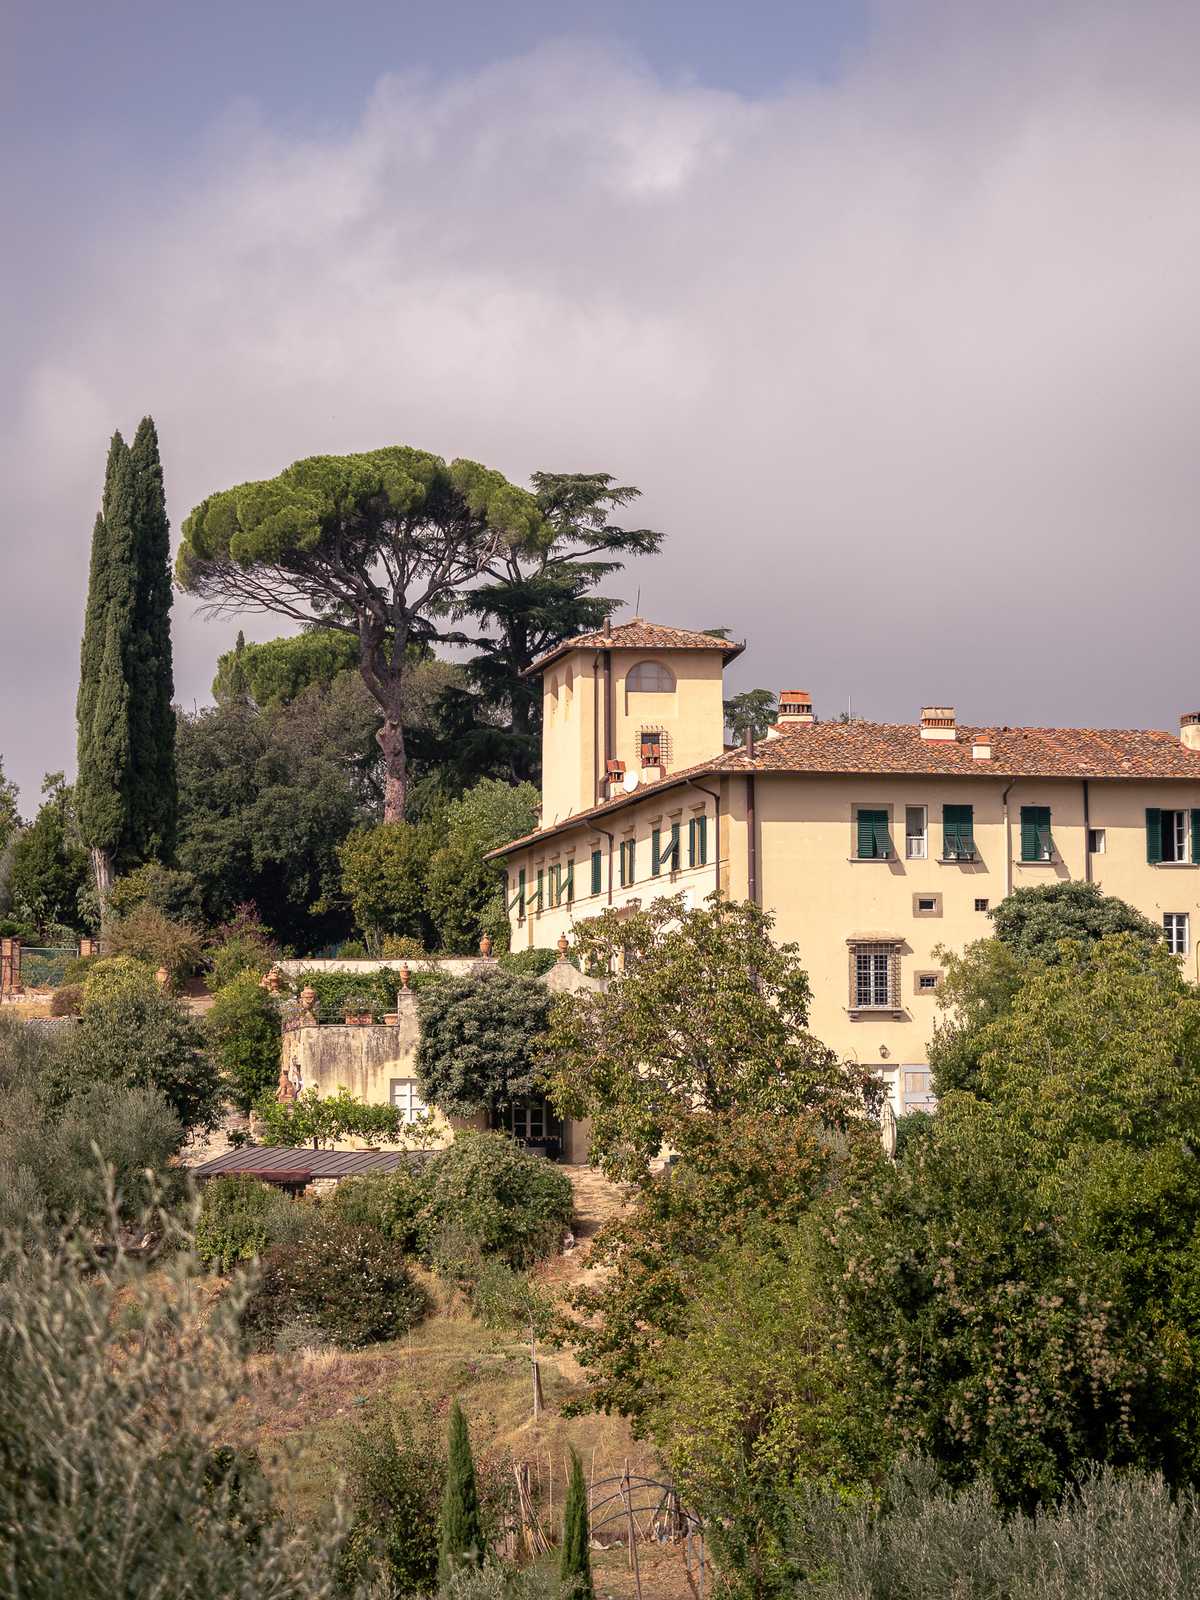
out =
column 691, row 718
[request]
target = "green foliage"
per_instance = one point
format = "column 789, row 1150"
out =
column 390, row 1202
column 395, row 1479
column 240, row 945
column 376, row 990
column 67, row 1000
column 1116, row 1534
column 153, row 790
column 979, row 985
column 575, row 1564
column 1031, row 922
column 460, row 1534
column 167, row 890
column 279, row 670
column 244, row 1032
column 351, row 1284
column 479, row 1035
column 464, row 892
column 700, row 1045
column 533, row 962
column 132, row 1033
column 49, row 866
column 241, row 1218
column 148, row 935
column 752, row 711
column 384, row 871
column 10, row 817
column 264, row 801
column 485, row 1189
column 116, row 1385
column 316, row 1119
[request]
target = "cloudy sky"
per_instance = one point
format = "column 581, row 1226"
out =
column 889, row 308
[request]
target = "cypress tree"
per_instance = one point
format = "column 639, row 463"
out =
column 102, row 708
column 575, row 1568
column 461, row 1539
column 153, row 790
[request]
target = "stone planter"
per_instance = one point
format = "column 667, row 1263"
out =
column 358, row 1019
column 391, row 1019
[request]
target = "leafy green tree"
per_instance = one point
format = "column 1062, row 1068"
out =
column 278, row 670
column 538, row 591
column 102, row 707
column 378, row 546
column 700, row 1045
column 244, row 1034
column 147, row 935
column 133, row 1033
column 317, row 1119
column 752, row 711
column 1031, row 922
column 1018, row 1294
column 384, row 871
column 10, row 817
column 575, row 1563
column 464, row 892
column 486, row 1193
column 263, row 808
column 49, row 865
column 153, row 793
column 478, row 1038
column 460, row 1542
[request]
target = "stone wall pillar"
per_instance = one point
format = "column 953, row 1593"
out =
column 10, row 967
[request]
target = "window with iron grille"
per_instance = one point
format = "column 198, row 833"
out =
column 650, row 747
column 873, row 977
column 1175, row 925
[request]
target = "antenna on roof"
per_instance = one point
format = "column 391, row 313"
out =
column 637, row 604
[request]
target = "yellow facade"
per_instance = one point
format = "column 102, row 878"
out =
column 790, row 839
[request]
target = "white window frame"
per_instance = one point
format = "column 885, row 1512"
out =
column 1177, row 925
column 1097, row 842
column 916, row 846
column 403, row 1095
column 1178, row 832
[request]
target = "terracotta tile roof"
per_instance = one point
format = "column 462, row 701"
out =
column 638, row 634
column 883, row 748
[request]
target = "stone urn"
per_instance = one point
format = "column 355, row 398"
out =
column 485, row 945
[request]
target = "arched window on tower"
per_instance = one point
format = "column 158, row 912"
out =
column 650, row 677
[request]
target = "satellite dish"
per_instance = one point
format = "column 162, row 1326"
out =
column 630, row 782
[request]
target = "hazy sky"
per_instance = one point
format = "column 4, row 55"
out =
column 889, row 309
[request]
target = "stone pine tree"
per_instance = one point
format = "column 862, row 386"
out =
column 102, row 707
column 460, row 1543
column 575, row 1566
column 153, row 793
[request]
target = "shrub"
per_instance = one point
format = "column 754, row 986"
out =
column 241, row 1218
column 175, row 894
column 390, row 1202
column 67, row 1001
column 350, row 1283
column 394, row 1478
column 77, row 968
column 532, row 963
column 478, row 1035
column 376, row 990
column 244, row 1031
column 134, row 1034
column 241, row 945
column 148, row 935
column 401, row 946
column 508, row 1204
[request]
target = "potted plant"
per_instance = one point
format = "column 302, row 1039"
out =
column 357, row 1010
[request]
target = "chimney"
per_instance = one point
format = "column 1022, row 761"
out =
column 937, row 722
column 981, row 745
column 614, row 779
column 795, row 706
column 1189, row 730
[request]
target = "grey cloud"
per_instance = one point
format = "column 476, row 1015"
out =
column 907, row 365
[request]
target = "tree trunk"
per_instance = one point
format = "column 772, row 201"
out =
column 395, row 761
column 102, row 874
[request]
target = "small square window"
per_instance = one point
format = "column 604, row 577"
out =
column 1096, row 841
column 981, row 905
column 927, row 980
column 927, row 905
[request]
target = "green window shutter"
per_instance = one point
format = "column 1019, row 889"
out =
column 700, row 854
column 873, row 841
column 632, row 861
column 958, row 832
column 1153, row 834
column 520, row 896
column 655, row 860
column 1035, row 833
column 570, row 882
column 1196, row 836
column 674, row 848
column 691, row 841
column 597, row 872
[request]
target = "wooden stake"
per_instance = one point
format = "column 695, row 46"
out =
column 633, row 1555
